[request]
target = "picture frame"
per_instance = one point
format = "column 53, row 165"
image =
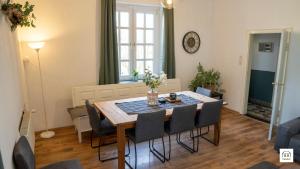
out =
column 265, row 47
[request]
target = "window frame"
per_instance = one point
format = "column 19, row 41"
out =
column 133, row 9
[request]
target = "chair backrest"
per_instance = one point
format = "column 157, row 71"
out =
column 183, row 119
column 1, row 162
column 203, row 91
column 93, row 116
column 23, row 155
column 150, row 126
column 210, row 113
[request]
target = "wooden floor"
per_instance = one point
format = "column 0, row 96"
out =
column 243, row 143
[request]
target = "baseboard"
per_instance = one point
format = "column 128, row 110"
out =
column 230, row 110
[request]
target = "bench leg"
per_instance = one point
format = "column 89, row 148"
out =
column 79, row 136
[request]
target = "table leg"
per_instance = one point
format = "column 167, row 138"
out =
column 217, row 132
column 121, row 146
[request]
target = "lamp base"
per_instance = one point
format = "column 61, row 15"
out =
column 47, row 134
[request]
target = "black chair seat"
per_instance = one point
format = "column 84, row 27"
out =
column 100, row 127
column 149, row 126
column 106, row 128
column 264, row 165
column 130, row 133
column 69, row 164
column 24, row 158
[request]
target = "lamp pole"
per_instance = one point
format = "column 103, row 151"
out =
column 37, row 46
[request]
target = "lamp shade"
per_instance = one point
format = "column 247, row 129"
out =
column 36, row 45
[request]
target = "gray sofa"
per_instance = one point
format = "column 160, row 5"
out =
column 288, row 136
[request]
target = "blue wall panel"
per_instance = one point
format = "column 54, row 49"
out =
column 261, row 87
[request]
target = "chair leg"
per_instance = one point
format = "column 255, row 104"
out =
column 99, row 156
column 169, row 148
column 197, row 140
column 128, row 146
column 192, row 150
column 91, row 137
column 135, row 154
column 202, row 135
column 156, row 153
column 99, row 151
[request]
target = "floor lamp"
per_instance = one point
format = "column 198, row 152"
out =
column 37, row 46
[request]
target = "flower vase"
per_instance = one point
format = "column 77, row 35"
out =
column 152, row 97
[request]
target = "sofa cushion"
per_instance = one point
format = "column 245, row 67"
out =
column 285, row 132
column 290, row 166
column 295, row 144
column 69, row 164
column 264, row 165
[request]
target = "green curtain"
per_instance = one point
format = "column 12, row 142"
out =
column 109, row 68
column 168, row 47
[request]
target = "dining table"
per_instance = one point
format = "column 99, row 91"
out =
column 123, row 120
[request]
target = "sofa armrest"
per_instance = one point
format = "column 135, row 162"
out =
column 285, row 132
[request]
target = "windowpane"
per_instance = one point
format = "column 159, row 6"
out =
column 125, row 69
column 149, row 65
column 139, row 36
column 149, row 36
column 124, row 53
column 139, row 20
column 140, row 52
column 124, row 33
column 149, row 51
column 149, row 21
column 124, row 18
column 118, row 36
column 117, row 19
column 140, row 67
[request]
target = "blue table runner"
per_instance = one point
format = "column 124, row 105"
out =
column 141, row 106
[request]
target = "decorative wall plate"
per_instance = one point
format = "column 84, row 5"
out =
column 191, row 42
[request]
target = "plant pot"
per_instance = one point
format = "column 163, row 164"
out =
column 135, row 78
column 152, row 97
column 211, row 87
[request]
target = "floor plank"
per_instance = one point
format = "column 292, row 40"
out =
column 243, row 143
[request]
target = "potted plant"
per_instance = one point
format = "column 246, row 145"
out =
column 153, row 82
column 209, row 79
column 18, row 15
column 135, row 75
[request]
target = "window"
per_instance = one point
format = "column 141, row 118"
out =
column 138, row 30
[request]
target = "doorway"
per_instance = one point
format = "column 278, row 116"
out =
column 264, row 56
column 265, row 77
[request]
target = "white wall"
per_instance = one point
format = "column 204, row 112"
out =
column 232, row 20
column 11, row 98
column 265, row 61
column 69, row 58
column 71, row 53
column 192, row 15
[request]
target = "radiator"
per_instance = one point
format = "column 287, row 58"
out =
column 27, row 129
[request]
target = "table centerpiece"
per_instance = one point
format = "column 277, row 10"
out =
column 153, row 81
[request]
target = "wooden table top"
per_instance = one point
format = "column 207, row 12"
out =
column 117, row 116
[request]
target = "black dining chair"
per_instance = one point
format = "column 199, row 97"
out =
column 149, row 126
column 204, row 91
column 100, row 127
column 210, row 114
column 1, row 162
column 23, row 158
column 182, row 120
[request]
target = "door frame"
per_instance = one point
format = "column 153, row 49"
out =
column 251, row 33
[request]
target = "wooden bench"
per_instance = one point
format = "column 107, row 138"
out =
column 106, row 93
